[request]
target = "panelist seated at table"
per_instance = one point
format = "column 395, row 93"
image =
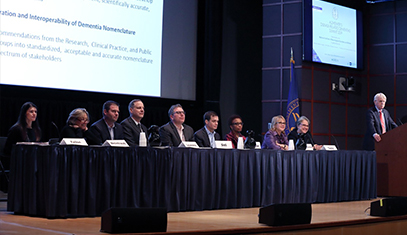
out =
column 132, row 126
column 175, row 131
column 26, row 129
column 77, row 126
column 275, row 138
column 301, row 135
column 235, row 125
column 206, row 136
column 378, row 122
column 107, row 127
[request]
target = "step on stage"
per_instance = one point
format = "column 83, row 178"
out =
column 327, row 218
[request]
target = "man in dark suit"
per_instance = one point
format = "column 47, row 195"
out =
column 107, row 128
column 132, row 125
column 175, row 131
column 206, row 136
column 378, row 122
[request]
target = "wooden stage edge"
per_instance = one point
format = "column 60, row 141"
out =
column 327, row 218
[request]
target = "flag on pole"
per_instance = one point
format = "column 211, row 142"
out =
column 293, row 105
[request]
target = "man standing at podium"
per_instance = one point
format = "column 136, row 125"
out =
column 378, row 122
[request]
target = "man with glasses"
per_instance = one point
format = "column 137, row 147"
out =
column 236, row 126
column 301, row 136
column 107, row 128
column 206, row 136
column 175, row 131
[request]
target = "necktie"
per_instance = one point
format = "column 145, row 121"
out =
column 382, row 122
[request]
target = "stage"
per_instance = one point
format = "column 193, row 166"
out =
column 327, row 218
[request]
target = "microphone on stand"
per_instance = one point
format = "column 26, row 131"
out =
column 54, row 141
column 310, row 138
column 336, row 142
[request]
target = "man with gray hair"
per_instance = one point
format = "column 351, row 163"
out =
column 378, row 122
column 175, row 131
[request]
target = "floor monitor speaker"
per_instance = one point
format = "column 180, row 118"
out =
column 286, row 214
column 389, row 206
column 134, row 220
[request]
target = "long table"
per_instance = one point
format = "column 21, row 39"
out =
column 76, row 181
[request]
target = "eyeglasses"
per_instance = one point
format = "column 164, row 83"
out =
column 305, row 125
column 179, row 112
column 282, row 123
column 83, row 120
column 237, row 123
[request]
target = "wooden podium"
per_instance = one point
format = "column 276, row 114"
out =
column 391, row 155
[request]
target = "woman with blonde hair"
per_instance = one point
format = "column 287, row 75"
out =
column 77, row 126
column 276, row 138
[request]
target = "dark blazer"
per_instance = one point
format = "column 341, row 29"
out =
column 169, row 135
column 71, row 132
column 132, row 131
column 102, row 134
column 300, row 141
column 202, row 138
column 373, row 126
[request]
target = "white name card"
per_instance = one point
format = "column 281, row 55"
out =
column 115, row 143
column 309, row 147
column 74, row 141
column 329, row 147
column 188, row 144
column 258, row 145
column 223, row 144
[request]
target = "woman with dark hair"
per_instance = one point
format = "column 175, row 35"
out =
column 236, row 126
column 26, row 128
column 77, row 126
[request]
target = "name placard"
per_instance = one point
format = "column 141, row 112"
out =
column 329, row 147
column 258, row 145
column 188, row 144
column 309, row 147
column 115, row 143
column 223, row 144
column 74, row 141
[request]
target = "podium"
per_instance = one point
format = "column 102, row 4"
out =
column 391, row 155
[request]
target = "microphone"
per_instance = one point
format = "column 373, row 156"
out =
column 54, row 140
column 336, row 142
column 153, row 136
column 250, row 143
column 400, row 122
column 310, row 138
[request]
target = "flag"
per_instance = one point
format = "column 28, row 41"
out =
column 293, row 105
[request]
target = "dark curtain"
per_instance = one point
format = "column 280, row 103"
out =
column 64, row 181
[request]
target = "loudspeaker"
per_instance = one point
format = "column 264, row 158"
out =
column 389, row 207
column 134, row 220
column 285, row 214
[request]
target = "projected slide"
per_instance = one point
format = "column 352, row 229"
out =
column 94, row 45
column 334, row 34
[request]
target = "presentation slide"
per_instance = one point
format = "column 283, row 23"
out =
column 334, row 34
column 111, row 46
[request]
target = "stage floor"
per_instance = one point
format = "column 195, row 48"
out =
column 332, row 218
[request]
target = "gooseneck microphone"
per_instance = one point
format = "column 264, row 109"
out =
column 310, row 138
column 336, row 142
column 54, row 140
